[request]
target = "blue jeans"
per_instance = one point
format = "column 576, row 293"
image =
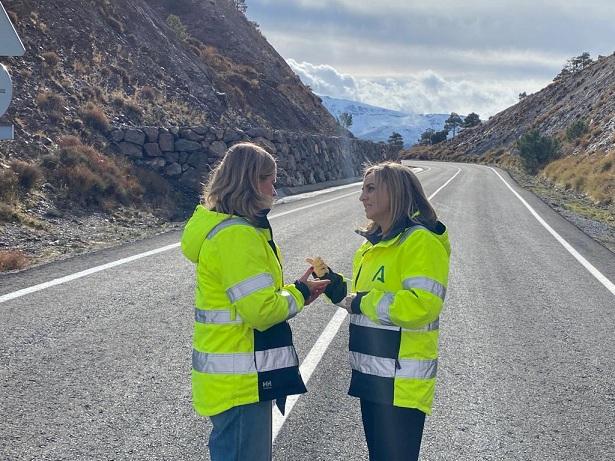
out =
column 242, row 433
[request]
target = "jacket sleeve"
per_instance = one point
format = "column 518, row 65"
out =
column 249, row 282
column 338, row 288
column 423, row 266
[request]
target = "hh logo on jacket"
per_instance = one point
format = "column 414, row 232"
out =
column 379, row 275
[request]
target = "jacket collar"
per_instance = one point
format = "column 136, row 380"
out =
column 396, row 230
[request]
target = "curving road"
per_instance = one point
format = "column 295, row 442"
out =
column 96, row 366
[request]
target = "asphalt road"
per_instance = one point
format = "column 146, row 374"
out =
column 98, row 368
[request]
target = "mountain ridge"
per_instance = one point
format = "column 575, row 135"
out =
column 376, row 124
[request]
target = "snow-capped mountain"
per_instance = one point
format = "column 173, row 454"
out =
column 376, row 123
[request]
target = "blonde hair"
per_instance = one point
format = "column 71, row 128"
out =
column 406, row 196
column 233, row 186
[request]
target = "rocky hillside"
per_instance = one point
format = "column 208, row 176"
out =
column 575, row 115
column 558, row 142
column 585, row 95
column 118, row 61
column 93, row 68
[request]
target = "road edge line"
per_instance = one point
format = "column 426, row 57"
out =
column 584, row 262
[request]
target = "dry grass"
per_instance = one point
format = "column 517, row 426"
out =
column 590, row 174
column 91, row 178
column 9, row 183
column 13, row 17
column 50, row 101
column 128, row 106
column 28, row 174
column 94, row 117
column 51, row 59
column 11, row 260
column 157, row 190
column 148, row 93
column 8, row 213
column 79, row 67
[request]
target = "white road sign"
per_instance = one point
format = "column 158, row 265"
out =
column 10, row 43
column 6, row 90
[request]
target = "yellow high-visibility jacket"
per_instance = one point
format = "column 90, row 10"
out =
column 401, row 283
column 242, row 344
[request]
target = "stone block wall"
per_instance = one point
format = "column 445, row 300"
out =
column 186, row 155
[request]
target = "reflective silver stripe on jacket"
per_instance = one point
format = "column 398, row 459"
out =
column 382, row 309
column 245, row 362
column 409, row 232
column 435, row 325
column 215, row 316
column 293, row 309
column 426, row 284
column 385, row 367
column 418, row 369
column 249, row 286
column 240, row 363
column 372, row 365
column 227, row 223
column 275, row 359
column 364, row 321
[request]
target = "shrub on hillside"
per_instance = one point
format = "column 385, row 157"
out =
column 50, row 101
column 94, row 117
column 51, row 58
column 577, row 129
column 537, row 150
column 148, row 93
column 13, row 17
column 8, row 213
column 8, row 184
column 91, row 178
column 28, row 174
column 175, row 23
column 128, row 106
column 11, row 260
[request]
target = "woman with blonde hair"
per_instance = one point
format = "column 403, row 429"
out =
column 243, row 356
column 397, row 290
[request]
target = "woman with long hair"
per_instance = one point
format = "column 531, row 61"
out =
column 243, row 356
column 399, row 280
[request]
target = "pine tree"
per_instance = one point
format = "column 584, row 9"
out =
column 471, row 120
column 396, row 142
column 426, row 135
column 453, row 122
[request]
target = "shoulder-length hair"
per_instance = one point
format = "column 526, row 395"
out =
column 406, row 196
column 233, row 186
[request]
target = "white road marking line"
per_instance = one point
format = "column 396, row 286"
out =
column 93, row 270
column 445, row 184
column 317, row 352
column 297, row 197
column 284, row 213
column 591, row 269
column 78, row 275
column 309, row 365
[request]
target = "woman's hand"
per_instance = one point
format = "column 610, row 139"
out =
column 316, row 287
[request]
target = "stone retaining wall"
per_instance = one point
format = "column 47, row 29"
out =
column 186, row 155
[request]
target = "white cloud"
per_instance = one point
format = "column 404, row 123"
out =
column 434, row 57
column 424, row 92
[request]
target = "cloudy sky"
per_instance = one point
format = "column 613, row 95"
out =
column 434, row 57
